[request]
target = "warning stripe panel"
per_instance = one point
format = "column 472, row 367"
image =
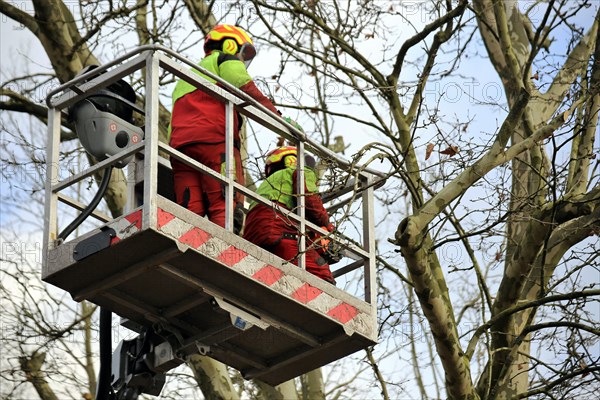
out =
column 213, row 247
column 194, row 238
column 135, row 218
column 343, row 312
column 126, row 226
column 306, row 293
column 231, row 256
column 164, row 217
column 269, row 275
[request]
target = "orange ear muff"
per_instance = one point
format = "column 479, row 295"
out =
column 290, row 161
column 230, row 46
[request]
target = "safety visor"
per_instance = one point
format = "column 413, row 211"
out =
column 247, row 53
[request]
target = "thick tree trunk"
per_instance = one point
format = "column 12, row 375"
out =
column 284, row 391
column 313, row 385
column 213, row 378
column 527, row 229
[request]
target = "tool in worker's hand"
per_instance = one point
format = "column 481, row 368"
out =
column 327, row 248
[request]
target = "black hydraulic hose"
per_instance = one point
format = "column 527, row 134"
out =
column 103, row 389
column 104, row 376
column 91, row 207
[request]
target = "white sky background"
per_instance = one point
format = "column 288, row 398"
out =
column 20, row 53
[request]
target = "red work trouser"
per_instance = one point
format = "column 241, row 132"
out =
column 315, row 264
column 199, row 192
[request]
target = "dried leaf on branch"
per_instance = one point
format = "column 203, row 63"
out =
column 428, row 150
column 450, row 151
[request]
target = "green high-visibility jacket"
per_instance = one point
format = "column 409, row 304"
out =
column 280, row 186
column 264, row 225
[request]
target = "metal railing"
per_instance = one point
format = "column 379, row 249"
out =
column 152, row 59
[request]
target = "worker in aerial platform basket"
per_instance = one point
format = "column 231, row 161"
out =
column 198, row 124
column 274, row 231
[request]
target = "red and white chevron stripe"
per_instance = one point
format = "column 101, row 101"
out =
column 286, row 279
column 127, row 226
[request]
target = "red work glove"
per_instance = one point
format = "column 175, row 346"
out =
column 323, row 241
column 329, row 250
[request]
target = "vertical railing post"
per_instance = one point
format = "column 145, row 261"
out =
column 132, row 200
column 52, row 176
column 230, row 166
column 301, row 210
column 151, row 141
column 369, row 241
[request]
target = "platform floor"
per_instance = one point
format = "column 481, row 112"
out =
column 248, row 308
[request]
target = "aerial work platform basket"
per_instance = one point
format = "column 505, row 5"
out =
column 200, row 285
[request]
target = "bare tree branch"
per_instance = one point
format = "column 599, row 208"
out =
column 19, row 16
column 201, row 13
column 32, row 366
column 523, row 306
